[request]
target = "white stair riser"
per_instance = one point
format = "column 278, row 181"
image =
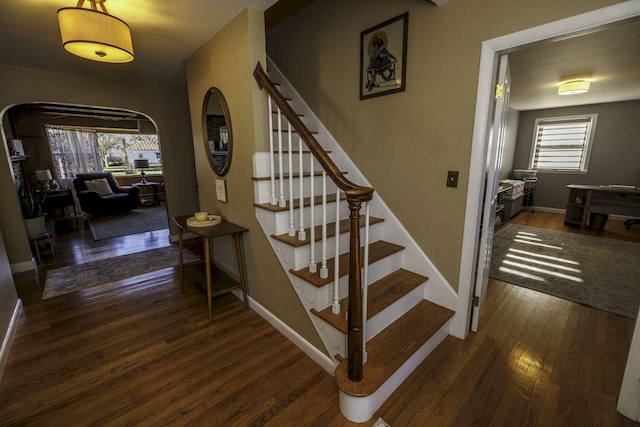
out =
column 295, row 160
column 279, row 221
column 390, row 314
column 301, row 255
column 262, row 188
column 361, row 409
column 377, row 270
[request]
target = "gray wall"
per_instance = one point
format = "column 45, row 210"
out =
column 615, row 155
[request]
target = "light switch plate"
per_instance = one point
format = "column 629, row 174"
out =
column 221, row 190
column 452, row 178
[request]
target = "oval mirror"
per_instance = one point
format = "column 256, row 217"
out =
column 218, row 137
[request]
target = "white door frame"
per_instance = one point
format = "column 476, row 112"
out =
column 488, row 62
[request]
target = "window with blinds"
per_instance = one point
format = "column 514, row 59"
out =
column 563, row 143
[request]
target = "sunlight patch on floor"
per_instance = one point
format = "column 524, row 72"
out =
column 537, row 244
column 549, row 257
column 543, row 271
column 521, row 274
column 544, row 263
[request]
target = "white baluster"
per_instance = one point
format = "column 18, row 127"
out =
column 274, row 199
column 335, row 307
column 324, row 270
column 301, row 234
column 313, row 266
column 283, row 201
column 292, row 229
column 365, row 283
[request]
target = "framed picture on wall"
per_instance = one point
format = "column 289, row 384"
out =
column 383, row 57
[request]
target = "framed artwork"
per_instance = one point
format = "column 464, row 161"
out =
column 383, row 57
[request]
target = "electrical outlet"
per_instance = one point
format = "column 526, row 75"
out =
column 452, row 179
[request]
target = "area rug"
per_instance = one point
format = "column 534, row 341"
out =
column 73, row 278
column 136, row 221
column 594, row 271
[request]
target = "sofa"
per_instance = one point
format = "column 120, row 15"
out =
column 99, row 194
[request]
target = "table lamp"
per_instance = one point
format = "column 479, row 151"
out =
column 44, row 175
column 141, row 164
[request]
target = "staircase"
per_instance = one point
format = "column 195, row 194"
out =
column 343, row 264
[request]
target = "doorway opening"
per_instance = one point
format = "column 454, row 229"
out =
column 60, row 141
column 491, row 49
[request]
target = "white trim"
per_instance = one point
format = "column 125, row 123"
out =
column 550, row 210
column 488, row 61
column 629, row 401
column 21, row 267
column 316, row 355
column 9, row 336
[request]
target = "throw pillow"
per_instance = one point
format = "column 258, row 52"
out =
column 100, row 185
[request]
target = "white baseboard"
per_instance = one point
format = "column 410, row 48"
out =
column 546, row 209
column 8, row 338
column 316, row 355
column 563, row 211
column 23, row 266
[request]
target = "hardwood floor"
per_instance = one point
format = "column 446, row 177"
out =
column 142, row 352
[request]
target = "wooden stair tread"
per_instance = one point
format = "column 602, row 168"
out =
column 392, row 347
column 317, row 200
column 345, row 226
column 382, row 294
column 377, row 251
column 305, row 174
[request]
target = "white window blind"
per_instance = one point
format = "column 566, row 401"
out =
column 563, row 143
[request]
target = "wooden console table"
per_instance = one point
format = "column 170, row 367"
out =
column 225, row 228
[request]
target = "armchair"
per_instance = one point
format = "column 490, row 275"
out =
column 103, row 199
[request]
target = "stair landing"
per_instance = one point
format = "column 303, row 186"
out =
column 390, row 349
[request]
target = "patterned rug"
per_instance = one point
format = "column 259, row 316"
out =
column 136, row 221
column 76, row 277
column 594, row 271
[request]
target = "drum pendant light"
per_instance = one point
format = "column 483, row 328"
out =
column 94, row 34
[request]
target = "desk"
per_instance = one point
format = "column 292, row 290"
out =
column 225, row 228
column 600, row 199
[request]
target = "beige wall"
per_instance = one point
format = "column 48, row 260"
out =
column 8, row 301
column 226, row 62
column 165, row 104
column 405, row 143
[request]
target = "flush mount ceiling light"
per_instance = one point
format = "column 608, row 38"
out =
column 94, row 34
column 574, row 87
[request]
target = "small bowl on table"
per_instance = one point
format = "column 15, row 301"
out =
column 201, row 216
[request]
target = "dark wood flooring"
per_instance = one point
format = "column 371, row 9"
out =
column 142, row 352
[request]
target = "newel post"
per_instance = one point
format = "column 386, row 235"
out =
column 354, row 314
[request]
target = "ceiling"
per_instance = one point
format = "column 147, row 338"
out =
column 610, row 56
column 166, row 32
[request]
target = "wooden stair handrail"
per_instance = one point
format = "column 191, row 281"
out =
column 361, row 193
column 356, row 195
